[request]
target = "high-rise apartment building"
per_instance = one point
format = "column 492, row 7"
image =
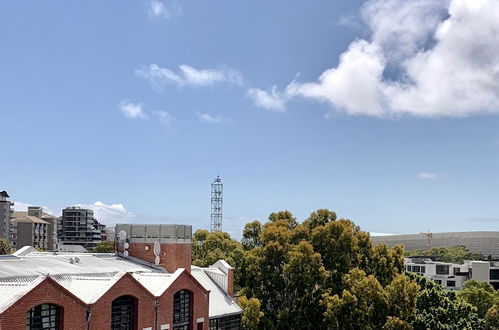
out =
column 79, row 227
column 5, row 214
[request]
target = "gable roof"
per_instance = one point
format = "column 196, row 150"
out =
column 21, row 217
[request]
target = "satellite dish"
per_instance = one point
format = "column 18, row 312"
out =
column 157, row 248
column 125, row 254
column 126, row 245
column 122, row 235
column 156, row 260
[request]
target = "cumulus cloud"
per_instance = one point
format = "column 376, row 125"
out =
column 425, row 58
column 132, row 110
column 188, row 76
column 210, row 119
column 110, row 214
column 428, row 176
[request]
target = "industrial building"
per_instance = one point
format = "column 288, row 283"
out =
column 148, row 284
column 452, row 276
column 484, row 242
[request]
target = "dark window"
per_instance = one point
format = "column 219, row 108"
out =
column 416, row 269
column 409, row 268
column 182, row 310
column 494, row 274
column 43, row 317
column 231, row 322
column 438, row 282
column 423, row 269
column 442, row 269
column 123, row 313
column 451, row 283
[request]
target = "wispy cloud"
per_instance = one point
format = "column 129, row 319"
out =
column 158, row 9
column 210, row 119
column 428, row 176
column 441, row 56
column 165, row 118
column 132, row 110
column 188, row 76
column 272, row 100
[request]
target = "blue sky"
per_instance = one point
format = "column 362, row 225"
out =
column 384, row 111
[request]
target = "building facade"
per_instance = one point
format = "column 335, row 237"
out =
column 28, row 230
column 79, row 227
column 452, row 276
column 6, row 210
column 126, row 290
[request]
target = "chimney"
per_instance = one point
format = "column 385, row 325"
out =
column 169, row 246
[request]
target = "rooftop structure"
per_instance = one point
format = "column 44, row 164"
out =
column 484, row 242
column 41, row 234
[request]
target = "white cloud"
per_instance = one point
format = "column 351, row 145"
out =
column 425, row 58
column 272, row 100
column 188, row 76
column 165, row 118
column 158, row 9
column 428, row 176
column 210, row 119
column 110, row 214
column 132, row 110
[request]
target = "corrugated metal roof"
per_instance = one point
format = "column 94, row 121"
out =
column 89, row 288
column 220, row 303
column 47, row 263
column 157, row 283
column 12, row 289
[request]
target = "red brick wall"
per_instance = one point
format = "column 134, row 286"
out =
column 230, row 282
column 127, row 285
column 199, row 296
column 47, row 292
column 172, row 256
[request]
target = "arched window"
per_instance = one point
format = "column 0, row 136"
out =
column 123, row 313
column 182, row 310
column 44, row 317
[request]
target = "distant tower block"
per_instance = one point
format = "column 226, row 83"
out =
column 216, row 204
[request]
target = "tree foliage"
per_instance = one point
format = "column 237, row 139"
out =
column 324, row 273
column 455, row 254
column 104, row 247
column 5, row 246
column 479, row 294
column 251, row 313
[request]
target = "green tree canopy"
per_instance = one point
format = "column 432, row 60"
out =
column 5, row 246
column 455, row 254
column 479, row 294
column 104, row 247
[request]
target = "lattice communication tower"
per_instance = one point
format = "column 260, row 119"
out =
column 217, row 188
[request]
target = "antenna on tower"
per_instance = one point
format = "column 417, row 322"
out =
column 216, row 204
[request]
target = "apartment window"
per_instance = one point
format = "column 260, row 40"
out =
column 438, row 282
column 44, row 317
column 123, row 313
column 423, row 269
column 416, row 269
column 409, row 268
column 451, row 284
column 182, row 310
column 442, row 269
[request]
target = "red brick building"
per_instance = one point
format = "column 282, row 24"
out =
column 149, row 284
